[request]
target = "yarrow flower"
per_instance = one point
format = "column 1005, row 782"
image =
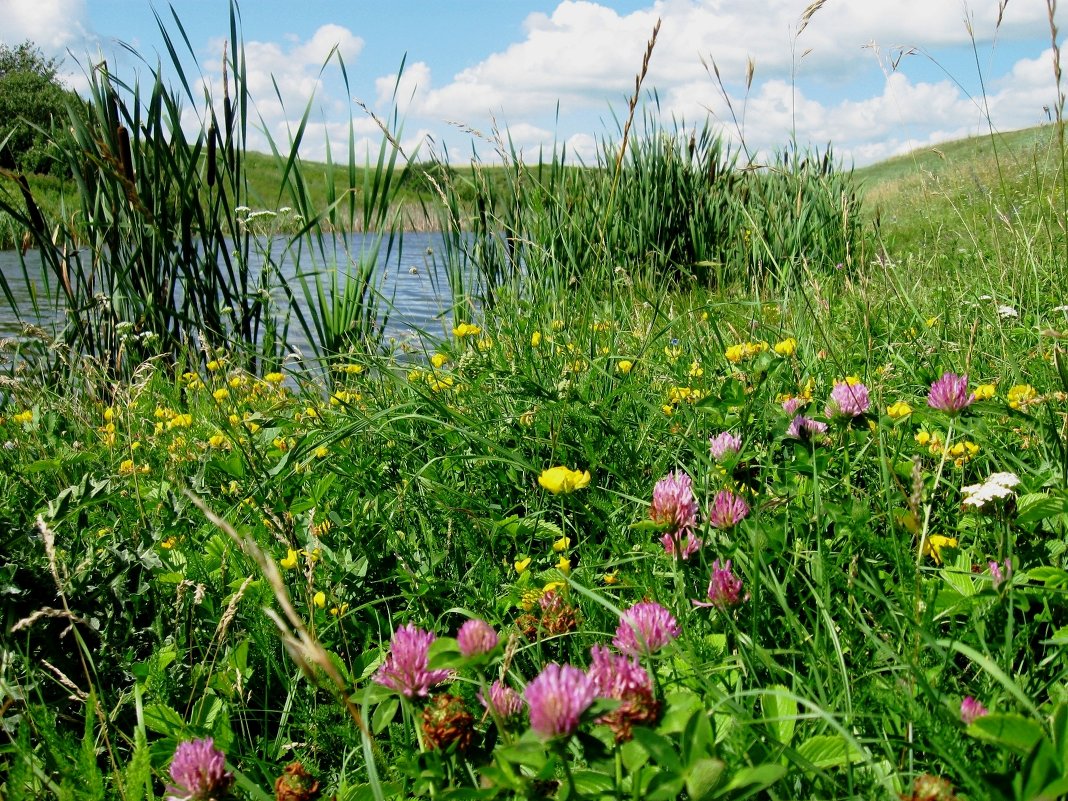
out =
column 805, row 428
column 406, row 667
column 727, row 510
column 971, row 710
column 557, row 697
column 623, row 679
column 476, row 637
column 849, row 398
column 724, row 588
column 198, row 772
column 503, row 701
column 724, row 444
column 997, row 487
column 558, row 480
column 950, row 394
column 645, row 628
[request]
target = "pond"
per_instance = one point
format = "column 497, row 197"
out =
column 414, row 301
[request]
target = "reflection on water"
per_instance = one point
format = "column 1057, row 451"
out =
column 412, row 301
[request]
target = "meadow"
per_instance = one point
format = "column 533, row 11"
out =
column 722, row 483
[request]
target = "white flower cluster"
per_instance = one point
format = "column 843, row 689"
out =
column 998, row 486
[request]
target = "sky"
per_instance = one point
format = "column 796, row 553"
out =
column 873, row 78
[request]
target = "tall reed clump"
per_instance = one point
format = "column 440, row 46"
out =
column 163, row 251
column 679, row 208
column 155, row 255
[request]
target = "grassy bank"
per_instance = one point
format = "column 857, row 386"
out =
column 722, row 487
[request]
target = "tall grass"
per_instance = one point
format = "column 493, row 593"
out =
column 679, row 208
column 164, row 252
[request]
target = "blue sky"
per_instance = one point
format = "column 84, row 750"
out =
column 557, row 72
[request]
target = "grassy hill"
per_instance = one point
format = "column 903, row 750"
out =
column 967, row 195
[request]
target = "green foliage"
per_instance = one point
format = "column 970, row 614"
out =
column 33, row 103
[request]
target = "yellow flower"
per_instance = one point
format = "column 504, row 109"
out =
column 696, row 370
column 321, row 452
column 214, row 365
column 521, row 565
column 23, row 418
column 1021, row 395
column 290, row 562
column 922, row 438
column 610, row 578
column 562, row 544
column 169, row 543
column 527, row 418
column 898, row 410
column 180, row 421
column 933, row 545
column 562, row 480
column 439, row 360
column 466, row 330
column 558, row 325
column 984, row 392
column 535, row 339
column 564, row 565
column 109, row 414
column 931, row 321
column 221, row 394
column 320, row 599
column 216, row 440
column 787, row 347
column 352, row 369
column 625, row 366
column 126, row 468
column 274, row 378
column 339, row 610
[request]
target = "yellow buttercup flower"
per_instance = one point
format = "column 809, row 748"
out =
column 521, row 565
column 625, row 366
column 562, row 544
column 1021, row 395
column 898, row 410
column 933, row 545
column 787, row 347
column 290, row 561
column 466, row 330
column 559, row 480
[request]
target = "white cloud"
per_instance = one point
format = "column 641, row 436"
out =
column 53, row 25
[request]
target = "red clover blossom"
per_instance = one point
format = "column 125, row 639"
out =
column 405, row 669
column 645, row 628
column 198, row 772
column 557, row 697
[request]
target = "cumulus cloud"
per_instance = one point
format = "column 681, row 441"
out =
column 53, row 25
column 584, row 55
